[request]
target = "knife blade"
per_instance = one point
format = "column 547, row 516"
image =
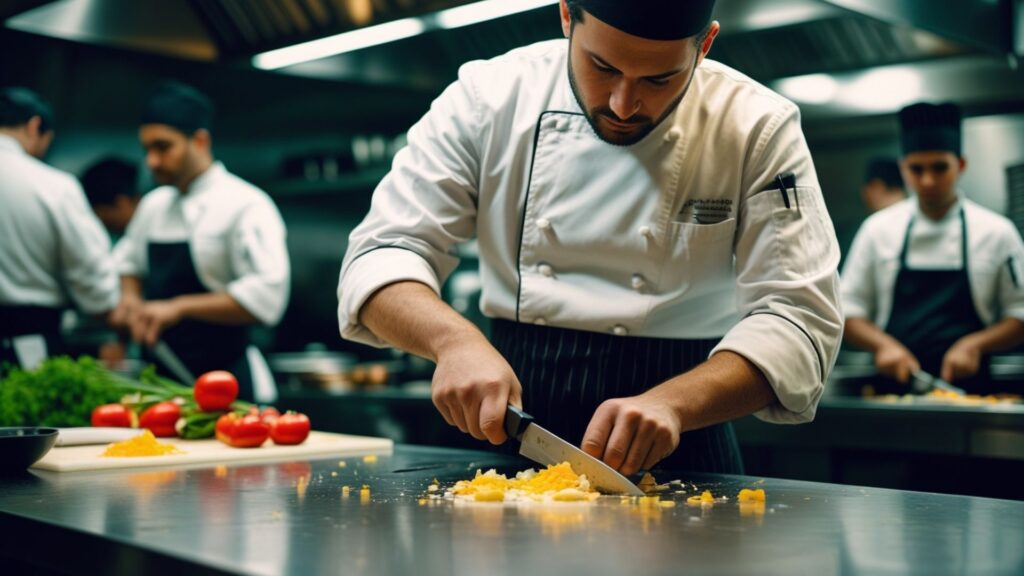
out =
column 171, row 361
column 925, row 382
column 546, row 448
column 94, row 435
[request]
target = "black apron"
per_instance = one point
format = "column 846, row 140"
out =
column 567, row 373
column 18, row 321
column 201, row 346
column 932, row 309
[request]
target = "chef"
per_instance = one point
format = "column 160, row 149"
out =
column 883, row 185
column 53, row 251
column 933, row 283
column 111, row 185
column 655, row 252
column 204, row 257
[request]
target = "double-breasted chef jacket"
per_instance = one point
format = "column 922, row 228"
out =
column 712, row 226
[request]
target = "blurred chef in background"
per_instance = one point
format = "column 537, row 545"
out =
column 112, row 187
column 204, row 257
column 53, row 251
column 933, row 283
column 883, row 185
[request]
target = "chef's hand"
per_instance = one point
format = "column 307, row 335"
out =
column 962, row 360
column 153, row 318
column 632, row 434
column 472, row 386
column 896, row 362
column 123, row 315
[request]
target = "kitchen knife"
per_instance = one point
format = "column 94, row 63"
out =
column 94, row 435
column 545, row 448
column 924, row 382
column 170, row 360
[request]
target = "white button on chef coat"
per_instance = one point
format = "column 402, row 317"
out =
column 995, row 259
column 638, row 282
column 544, row 224
column 620, row 330
column 735, row 263
column 235, row 233
column 540, row 322
column 546, row 270
column 51, row 244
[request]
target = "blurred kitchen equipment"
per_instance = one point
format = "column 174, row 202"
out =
column 315, row 369
column 923, row 382
column 21, row 447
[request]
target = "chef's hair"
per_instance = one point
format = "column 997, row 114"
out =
column 18, row 105
column 108, row 178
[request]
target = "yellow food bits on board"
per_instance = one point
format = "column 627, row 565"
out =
column 145, row 444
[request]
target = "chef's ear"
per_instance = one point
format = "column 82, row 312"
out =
column 705, row 46
column 201, row 139
column 963, row 164
column 563, row 10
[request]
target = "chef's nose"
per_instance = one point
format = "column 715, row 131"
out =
column 927, row 179
column 623, row 101
column 152, row 160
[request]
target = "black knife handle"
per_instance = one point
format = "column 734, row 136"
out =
column 516, row 421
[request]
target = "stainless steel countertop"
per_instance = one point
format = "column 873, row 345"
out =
column 293, row 519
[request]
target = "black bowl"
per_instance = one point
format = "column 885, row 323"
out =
column 21, row 447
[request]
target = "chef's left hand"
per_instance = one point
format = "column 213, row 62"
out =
column 153, row 318
column 632, row 434
column 962, row 360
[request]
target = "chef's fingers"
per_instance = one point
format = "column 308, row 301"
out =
column 470, row 401
column 600, row 427
column 639, row 447
column 622, row 435
column 947, row 369
column 458, row 416
column 138, row 326
column 441, row 404
column 492, row 416
column 153, row 329
column 662, row 447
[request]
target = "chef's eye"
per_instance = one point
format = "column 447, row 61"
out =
column 940, row 167
column 916, row 169
column 603, row 68
column 657, row 81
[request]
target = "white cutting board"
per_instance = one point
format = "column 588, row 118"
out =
column 213, row 452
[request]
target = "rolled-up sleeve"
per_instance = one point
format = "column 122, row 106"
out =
column 787, row 257
column 420, row 211
column 858, row 279
column 87, row 263
column 259, row 258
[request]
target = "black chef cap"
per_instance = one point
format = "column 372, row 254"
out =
column 109, row 178
column 652, row 19
column 885, row 169
column 931, row 127
column 19, row 105
column 179, row 106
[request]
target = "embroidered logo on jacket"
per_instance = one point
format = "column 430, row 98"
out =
column 705, row 211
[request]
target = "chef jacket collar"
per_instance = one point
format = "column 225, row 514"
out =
column 205, row 181
column 9, row 143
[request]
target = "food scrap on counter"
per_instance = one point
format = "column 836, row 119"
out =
column 145, row 444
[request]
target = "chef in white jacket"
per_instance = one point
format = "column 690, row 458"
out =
column 53, row 251
column 204, row 256
column 933, row 283
column 655, row 251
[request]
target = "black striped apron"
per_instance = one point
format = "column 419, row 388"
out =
column 566, row 374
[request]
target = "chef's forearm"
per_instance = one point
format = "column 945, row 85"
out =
column 1003, row 335
column 214, row 307
column 411, row 317
column 864, row 334
column 131, row 287
column 726, row 387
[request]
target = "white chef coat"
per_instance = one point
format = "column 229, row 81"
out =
column 598, row 257
column 235, row 234
column 995, row 259
column 52, row 247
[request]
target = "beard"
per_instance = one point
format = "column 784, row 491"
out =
column 607, row 125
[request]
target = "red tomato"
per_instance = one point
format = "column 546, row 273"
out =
column 160, row 419
column 269, row 415
column 242, row 431
column 215, row 391
column 290, row 428
column 114, row 415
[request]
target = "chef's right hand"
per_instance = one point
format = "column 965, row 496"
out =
column 124, row 314
column 896, row 362
column 472, row 386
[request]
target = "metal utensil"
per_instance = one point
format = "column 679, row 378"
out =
column 545, row 448
column 170, row 360
column 923, row 382
column 94, row 435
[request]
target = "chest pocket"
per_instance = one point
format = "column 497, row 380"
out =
column 700, row 254
column 212, row 255
column 799, row 236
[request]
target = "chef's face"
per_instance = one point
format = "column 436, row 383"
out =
column 115, row 216
column 627, row 85
column 933, row 176
column 174, row 157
